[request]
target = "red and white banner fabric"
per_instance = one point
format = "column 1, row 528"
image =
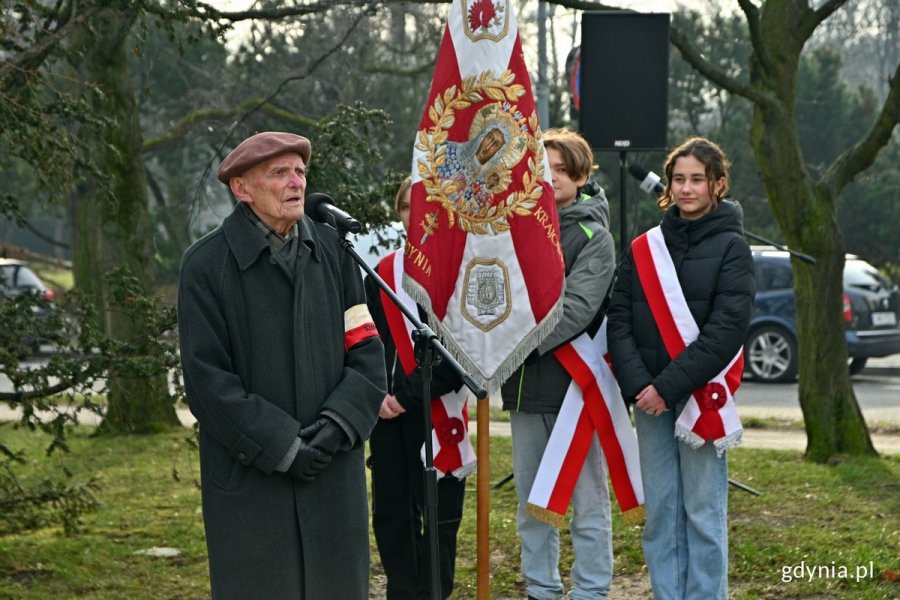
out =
column 483, row 254
column 593, row 405
column 453, row 451
column 711, row 413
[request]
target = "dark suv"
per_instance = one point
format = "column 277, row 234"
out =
column 871, row 316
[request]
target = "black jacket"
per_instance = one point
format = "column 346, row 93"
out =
column 715, row 269
column 406, row 388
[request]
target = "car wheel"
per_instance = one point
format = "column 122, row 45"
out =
column 858, row 364
column 771, row 355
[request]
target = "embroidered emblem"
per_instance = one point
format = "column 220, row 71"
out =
column 486, row 299
column 465, row 178
column 485, row 20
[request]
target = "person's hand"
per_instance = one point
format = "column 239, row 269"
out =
column 390, row 407
column 308, row 462
column 649, row 401
column 325, row 435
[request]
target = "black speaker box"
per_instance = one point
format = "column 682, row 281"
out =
column 624, row 80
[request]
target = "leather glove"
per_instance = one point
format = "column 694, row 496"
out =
column 324, row 435
column 308, row 462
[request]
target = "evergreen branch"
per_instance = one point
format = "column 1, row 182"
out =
column 32, row 57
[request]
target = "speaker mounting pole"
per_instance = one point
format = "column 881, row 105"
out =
column 623, row 218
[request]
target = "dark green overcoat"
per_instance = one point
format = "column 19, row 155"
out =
column 263, row 357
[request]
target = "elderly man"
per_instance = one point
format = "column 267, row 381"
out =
column 284, row 372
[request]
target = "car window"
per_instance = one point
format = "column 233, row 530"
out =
column 774, row 276
column 19, row 277
column 860, row 274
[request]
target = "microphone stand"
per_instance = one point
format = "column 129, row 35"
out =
column 428, row 352
column 800, row 255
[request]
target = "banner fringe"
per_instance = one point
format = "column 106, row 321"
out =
column 546, row 515
column 508, row 366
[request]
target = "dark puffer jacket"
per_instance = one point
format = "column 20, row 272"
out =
column 715, row 269
column 540, row 385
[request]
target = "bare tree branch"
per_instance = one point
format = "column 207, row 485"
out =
column 218, row 114
column 812, row 20
column 751, row 13
column 861, row 155
column 392, row 70
column 265, row 101
column 705, row 68
column 43, row 236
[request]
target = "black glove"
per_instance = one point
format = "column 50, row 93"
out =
column 324, row 435
column 308, row 462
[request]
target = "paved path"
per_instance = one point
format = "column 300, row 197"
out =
column 777, row 439
column 884, row 372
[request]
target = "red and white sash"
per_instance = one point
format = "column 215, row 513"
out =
column 710, row 414
column 453, row 451
column 593, row 405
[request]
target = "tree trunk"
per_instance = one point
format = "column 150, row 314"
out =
column 807, row 215
column 111, row 224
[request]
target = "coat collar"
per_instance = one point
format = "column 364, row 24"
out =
column 247, row 242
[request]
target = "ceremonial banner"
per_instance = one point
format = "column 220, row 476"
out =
column 593, row 406
column 483, row 254
column 711, row 413
column 453, row 451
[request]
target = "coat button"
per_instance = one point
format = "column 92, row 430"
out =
column 242, row 456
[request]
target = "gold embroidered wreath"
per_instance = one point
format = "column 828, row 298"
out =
column 433, row 142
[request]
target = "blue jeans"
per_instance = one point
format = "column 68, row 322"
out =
column 591, row 526
column 686, row 493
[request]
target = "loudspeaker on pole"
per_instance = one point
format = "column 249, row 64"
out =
column 624, row 80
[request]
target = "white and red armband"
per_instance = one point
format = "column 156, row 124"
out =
column 358, row 325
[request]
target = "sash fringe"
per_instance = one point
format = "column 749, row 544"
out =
column 547, row 516
column 693, row 440
column 688, row 437
column 508, row 366
column 731, row 440
column 465, row 470
column 634, row 515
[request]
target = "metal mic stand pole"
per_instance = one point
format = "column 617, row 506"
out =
column 428, row 351
column 800, row 255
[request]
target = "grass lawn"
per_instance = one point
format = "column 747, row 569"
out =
column 824, row 518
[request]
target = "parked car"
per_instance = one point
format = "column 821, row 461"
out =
column 871, row 316
column 16, row 278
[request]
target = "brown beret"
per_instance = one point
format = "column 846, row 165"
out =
column 260, row 147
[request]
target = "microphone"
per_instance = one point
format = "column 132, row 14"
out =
column 321, row 208
column 650, row 182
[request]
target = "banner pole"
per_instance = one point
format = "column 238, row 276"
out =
column 484, row 501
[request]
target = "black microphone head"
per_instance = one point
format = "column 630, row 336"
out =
column 312, row 205
column 649, row 180
column 638, row 171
